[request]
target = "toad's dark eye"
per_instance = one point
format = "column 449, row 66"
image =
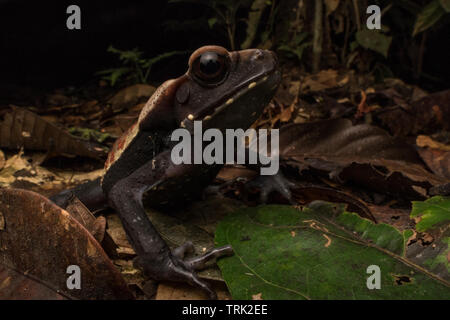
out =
column 210, row 68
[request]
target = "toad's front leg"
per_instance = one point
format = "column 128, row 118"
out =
column 154, row 256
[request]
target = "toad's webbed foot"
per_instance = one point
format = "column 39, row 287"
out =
column 268, row 184
column 174, row 267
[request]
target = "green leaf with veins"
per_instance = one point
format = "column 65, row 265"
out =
column 434, row 219
column 320, row 252
column 432, row 212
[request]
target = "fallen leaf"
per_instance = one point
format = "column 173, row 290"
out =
column 437, row 160
column 320, row 81
column 363, row 154
column 42, row 240
column 96, row 226
column 426, row 141
column 16, row 285
column 280, row 266
column 426, row 115
column 309, row 193
column 396, row 217
column 21, row 128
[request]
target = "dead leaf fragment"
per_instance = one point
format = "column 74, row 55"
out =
column 323, row 80
column 426, row 141
column 426, row 115
column 437, row 160
column 22, row 128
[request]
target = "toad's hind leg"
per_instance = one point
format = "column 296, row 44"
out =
column 154, row 256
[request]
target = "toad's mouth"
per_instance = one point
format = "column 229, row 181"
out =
column 270, row 78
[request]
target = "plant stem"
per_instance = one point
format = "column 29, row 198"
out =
column 420, row 55
column 317, row 40
column 139, row 71
column 357, row 17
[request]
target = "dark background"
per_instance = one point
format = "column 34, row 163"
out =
column 38, row 50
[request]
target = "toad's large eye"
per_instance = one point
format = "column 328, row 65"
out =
column 210, row 68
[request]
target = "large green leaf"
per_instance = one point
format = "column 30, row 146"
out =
column 320, row 252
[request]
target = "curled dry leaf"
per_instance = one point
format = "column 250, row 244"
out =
column 428, row 114
column 21, row 128
column 436, row 155
column 307, row 194
column 96, row 226
column 425, row 141
column 42, row 240
column 437, row 160
column 396, row 217
column 363, row 154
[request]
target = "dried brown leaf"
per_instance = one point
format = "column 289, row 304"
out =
column 42, row 240
column 363, row 154
column 21, row 128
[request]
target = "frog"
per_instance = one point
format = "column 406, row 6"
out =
column 222, row 89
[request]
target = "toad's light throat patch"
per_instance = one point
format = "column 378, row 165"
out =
column 233, row 146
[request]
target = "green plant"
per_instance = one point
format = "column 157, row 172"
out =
column 430, row 15
column 134, row 67
column 224, row 15
column 297, row 46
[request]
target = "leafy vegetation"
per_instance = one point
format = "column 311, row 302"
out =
column 342, row 36
column 320, row 252
column 430, row 15
column 135, row 68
